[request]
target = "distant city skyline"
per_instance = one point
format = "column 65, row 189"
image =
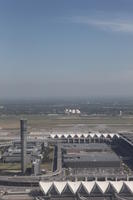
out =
column 66, row 48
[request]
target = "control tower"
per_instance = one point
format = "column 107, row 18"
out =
column 23, row 132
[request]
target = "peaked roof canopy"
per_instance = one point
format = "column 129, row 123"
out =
column 89, row 186
column 84, row 135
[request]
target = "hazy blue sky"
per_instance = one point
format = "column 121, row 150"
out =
column 64, row 48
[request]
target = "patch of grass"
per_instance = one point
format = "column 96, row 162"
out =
column 10, row 166
column 38, row 121
column 47, row 166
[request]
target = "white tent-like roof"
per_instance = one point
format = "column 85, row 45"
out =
column 89, row 186
column 45, row 186
column 74, row 186
column 117, row 185
column 103, row 185
column 59, row 186
column 83, row 135
column 129, row 184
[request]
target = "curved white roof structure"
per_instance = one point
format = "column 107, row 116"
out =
column 89, row 186
column 83, row 135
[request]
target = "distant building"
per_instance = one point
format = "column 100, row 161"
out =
column 121, row 113
column 72, row 111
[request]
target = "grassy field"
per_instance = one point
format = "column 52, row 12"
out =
column 47, row 166
column 37, row 121
column 10, row 166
